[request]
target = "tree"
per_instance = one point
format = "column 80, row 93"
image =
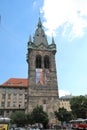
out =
column 79, row 106
column 19, row 118
column 30, row 119
column 63, row 115
column 39, row 116
column 36, row 116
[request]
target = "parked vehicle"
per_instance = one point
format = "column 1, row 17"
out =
column 4, row 123
column 79, row 124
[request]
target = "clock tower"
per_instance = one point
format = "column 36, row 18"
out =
column 42, row 74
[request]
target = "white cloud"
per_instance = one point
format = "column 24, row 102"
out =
column 65, row 12
column 63, row 93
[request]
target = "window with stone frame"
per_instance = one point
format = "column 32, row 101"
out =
column 2, row 104
column 42, row 76
column 3, row 96
column 15, row 97
column 44, row 101
column 20, row 97
column 14, row 104
column 9, row 96
column 39, row 71
column 46, row 62
column 38, row 61
column 8, row 104
column 46, row 68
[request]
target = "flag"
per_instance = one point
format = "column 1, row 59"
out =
column 39, row 76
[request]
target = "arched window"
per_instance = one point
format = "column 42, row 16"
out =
column 39, row 71
column 38, row 61
column 46, row 62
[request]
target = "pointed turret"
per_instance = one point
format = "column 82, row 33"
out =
column 29, row 46
column 53, row 42
column 40, row 36
column 52, row 46
column 30, row 40
column 30, row 43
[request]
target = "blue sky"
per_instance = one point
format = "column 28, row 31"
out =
column 66, row 20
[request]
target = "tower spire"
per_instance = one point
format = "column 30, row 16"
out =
column 53, row 42
column 39, row 36
column 39, row 23
column 30, row 40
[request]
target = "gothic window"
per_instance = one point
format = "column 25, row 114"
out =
column 38, row 61
column 39, row 71
column 46, row 62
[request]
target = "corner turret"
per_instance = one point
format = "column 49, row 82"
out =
column 53, row 42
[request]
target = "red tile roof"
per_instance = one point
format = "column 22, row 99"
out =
column 16, row 82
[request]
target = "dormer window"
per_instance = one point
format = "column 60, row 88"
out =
column 10, row 83
column 20, row 83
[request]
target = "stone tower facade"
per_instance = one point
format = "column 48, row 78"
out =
column 42, row 75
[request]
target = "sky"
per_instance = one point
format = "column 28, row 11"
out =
column 66, row 20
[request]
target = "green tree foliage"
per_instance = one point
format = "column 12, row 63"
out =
column 30, row 119
column 19, row 118
column 39, row 116
column 36, row 116
column 79, row 106
column 63, row 115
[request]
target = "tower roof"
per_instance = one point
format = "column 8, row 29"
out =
column 40, row 40
column 40, row 36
